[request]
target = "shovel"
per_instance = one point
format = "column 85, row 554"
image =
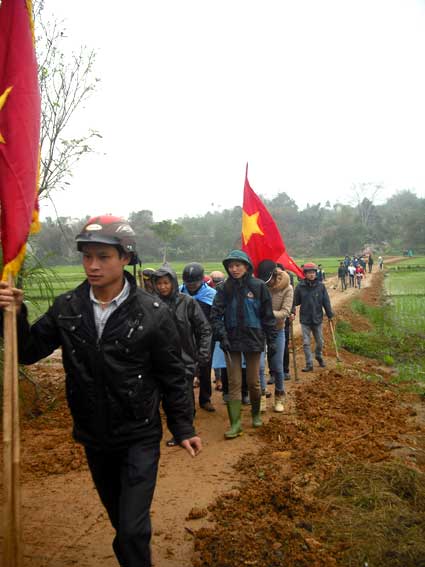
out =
column 331, row 325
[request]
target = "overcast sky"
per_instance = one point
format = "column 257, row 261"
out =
column 315, row 95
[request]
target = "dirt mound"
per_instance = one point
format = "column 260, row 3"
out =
column 276, row 516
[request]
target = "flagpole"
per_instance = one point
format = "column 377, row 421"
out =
column 12, row 552
column 16, row 448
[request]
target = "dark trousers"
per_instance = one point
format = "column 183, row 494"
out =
column 125, row 481
column 205, row 384
column 190, row 394
column 286, row 351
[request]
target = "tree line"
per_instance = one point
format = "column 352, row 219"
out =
column 317, row 230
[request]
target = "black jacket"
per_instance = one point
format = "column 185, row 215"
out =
column 194, row 330
column 313, row 298
column 242, row 311
column 114, row 384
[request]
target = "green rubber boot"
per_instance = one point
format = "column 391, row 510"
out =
column 255, row 412
column 234, row 411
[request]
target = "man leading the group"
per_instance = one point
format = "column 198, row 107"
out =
column 121, row 354
column 313, row 298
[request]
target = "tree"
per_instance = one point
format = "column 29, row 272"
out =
column 167, row 231
column 66, row 82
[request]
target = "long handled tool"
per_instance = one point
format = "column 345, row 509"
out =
column 291, row 332
column 331, row 325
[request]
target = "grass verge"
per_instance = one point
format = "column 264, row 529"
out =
column 391, row 340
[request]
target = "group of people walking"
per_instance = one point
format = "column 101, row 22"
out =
column 353, row 270
column 129, row 351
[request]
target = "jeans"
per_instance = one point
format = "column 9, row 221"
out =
column 318, row 337
column 286, row 351
column 276, row 361
column 125, row 481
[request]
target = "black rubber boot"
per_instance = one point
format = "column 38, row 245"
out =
column 321, row 362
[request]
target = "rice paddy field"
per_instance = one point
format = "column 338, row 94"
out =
column 406, row 291
column 405, row 309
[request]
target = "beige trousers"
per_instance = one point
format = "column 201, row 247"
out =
column 234, row 371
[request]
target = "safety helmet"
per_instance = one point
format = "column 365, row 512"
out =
column 266, row 269
column 193, row 272
column 107, row 229
column 309, row 267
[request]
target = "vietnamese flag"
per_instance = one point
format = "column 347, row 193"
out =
column 261, row 238
column 20, row 110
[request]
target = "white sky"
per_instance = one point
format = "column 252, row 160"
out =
column 317, row 95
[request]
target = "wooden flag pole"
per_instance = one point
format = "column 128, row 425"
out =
column 12, row 552
column 294, row 355
column 16, row 449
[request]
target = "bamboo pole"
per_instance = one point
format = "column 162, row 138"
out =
column 12, row 551
column 16, row 449
column 294, row 355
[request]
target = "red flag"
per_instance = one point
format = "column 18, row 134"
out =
column 261, row 238
column 19, row 131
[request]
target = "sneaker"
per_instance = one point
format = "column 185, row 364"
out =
column 321, row 362
column 278, row 405
column 268, row 394
column 307, row 368
column 245, row 400
column 287, row 376
column 171, row 442
column 263, row 404
column 208, row 407
column 270, row 380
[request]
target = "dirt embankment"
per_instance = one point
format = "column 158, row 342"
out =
column 333, row 419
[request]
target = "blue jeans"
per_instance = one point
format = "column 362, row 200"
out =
column 275, row 364
column 318, row 337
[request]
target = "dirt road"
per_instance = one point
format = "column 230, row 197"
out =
column 64, row 523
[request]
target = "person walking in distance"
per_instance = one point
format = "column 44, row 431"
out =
column 121, row 355
column 360, row 274
column 321, row 276
column 351, row 274
column 195, row 286
column 342, row 276
column 243, row 321
column 313, row 298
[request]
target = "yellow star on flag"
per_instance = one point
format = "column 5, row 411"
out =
column 3, row 98
column 250, row 226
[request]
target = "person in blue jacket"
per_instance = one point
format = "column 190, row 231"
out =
column 243, row 321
